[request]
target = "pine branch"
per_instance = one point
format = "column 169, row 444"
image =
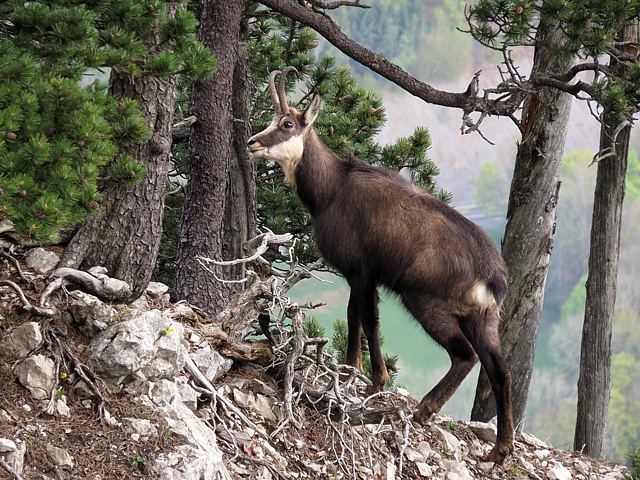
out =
column 336, row 4
column 392, row 72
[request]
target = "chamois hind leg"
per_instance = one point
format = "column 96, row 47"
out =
column 364, row 295
column 444, row 328
column 354, row 350
column 482, row 332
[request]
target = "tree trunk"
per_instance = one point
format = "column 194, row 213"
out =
column 594, row 383
column 219, row 212
column 124, row 235
column 531, row 216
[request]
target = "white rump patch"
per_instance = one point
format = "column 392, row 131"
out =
column 482, row 295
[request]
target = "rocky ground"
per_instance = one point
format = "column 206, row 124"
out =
column 155, row 390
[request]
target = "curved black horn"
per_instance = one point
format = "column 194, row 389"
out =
column 282, row 94
column 272, row 90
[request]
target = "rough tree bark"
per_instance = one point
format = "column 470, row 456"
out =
column 594, row 383
column 531, row 216
column 124, row 235
column 219, row 212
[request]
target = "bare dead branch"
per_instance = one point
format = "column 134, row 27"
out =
column 181, row 131
column 208, row 389
column 611, row 151
column 26, row 304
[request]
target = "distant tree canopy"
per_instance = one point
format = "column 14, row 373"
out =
column 57, row 139
column 430, row 23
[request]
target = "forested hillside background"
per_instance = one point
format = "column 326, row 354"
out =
column 424, row 39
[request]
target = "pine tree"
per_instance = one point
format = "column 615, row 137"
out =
column 60, row 140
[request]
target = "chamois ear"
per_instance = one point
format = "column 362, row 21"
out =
column 311, row 113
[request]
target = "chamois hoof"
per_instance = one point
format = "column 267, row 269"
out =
column 423, row 415
column 499, row 453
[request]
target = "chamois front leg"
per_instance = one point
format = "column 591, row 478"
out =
column 354, row 349
column 364, row 295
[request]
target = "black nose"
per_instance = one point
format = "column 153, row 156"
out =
column 251, row 142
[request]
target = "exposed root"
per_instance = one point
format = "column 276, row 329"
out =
column 26, row 304
column 7, row 468
column 16, row 265
column 102, row 286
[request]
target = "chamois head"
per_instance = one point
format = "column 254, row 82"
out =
column 283, row 140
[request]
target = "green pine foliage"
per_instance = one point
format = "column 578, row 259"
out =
column 634, row 463
column 59, row 140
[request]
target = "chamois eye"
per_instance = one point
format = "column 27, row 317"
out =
column 287, row 124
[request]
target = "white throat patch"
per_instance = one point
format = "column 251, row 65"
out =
column 288, row 154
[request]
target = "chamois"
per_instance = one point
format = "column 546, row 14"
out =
column 377, row 228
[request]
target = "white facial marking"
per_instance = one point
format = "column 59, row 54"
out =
column 288, row 155
column 482, row 295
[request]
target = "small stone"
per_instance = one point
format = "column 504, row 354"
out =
column 15, row 459
column 529, row 468
column 211, row 363
column 542, row 454
column 61, row 406
column 413, row 456
column 59, row 456
column 7, row 445
column 26, row 407
column 484, row 431
column 111, row 420
column 559, row 472
column 135, row 437
column 38, row 374
column 391, row 471
column 452, row 443
column 142, row 428
column 140, row 304
column 91, row 313
column 157, row 289
column 485, row 466
column 20, row 341
column 41, row 261
column 425, row 449
column 424, row 469
column 187, row 394
column 457, row 470
column 533, row 441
